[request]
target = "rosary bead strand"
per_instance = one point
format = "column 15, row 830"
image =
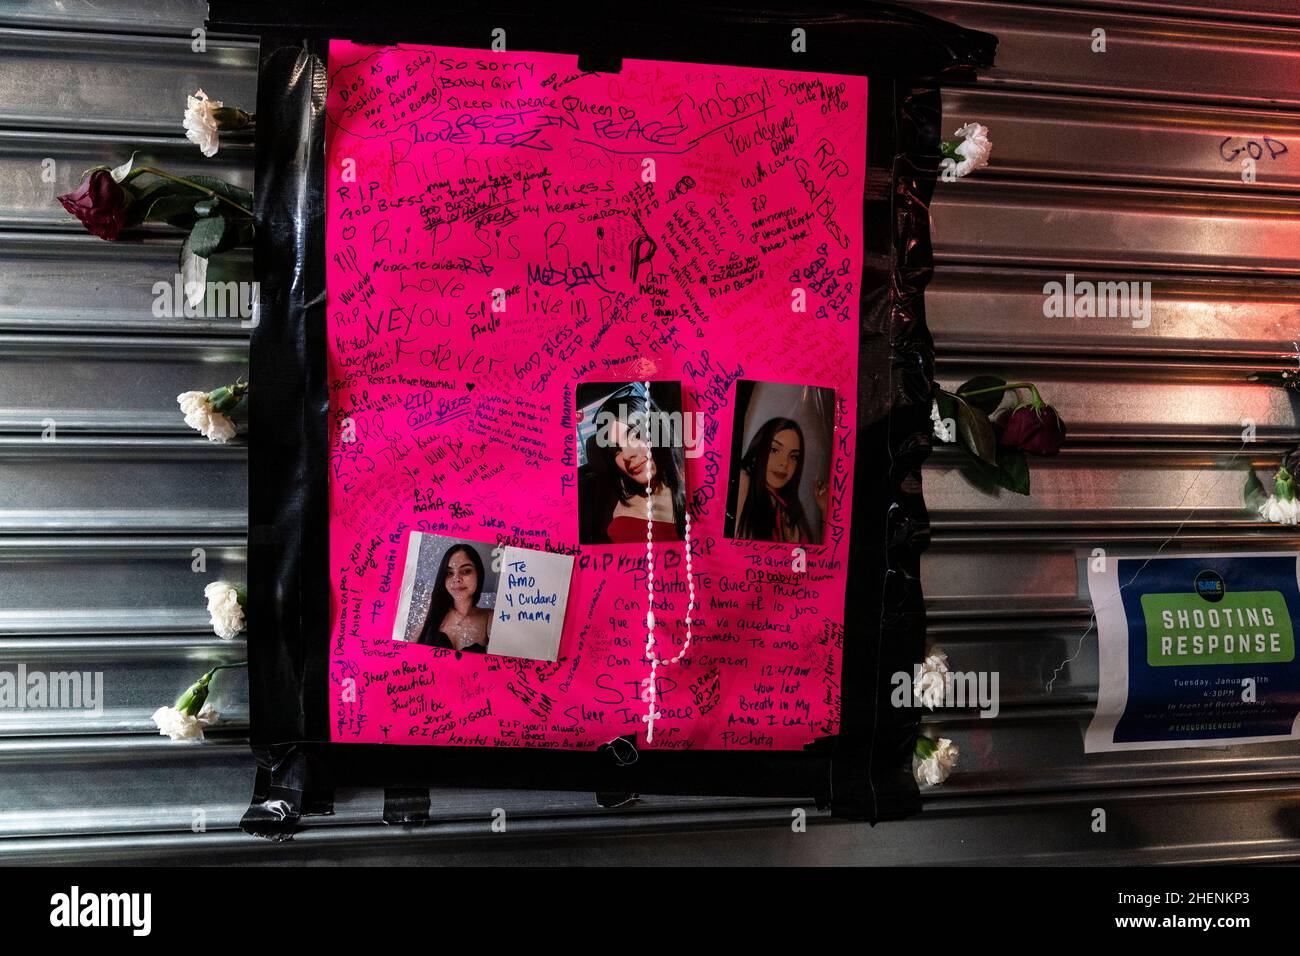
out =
column 650, row 693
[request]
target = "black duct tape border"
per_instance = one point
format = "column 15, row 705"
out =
column 864, row 772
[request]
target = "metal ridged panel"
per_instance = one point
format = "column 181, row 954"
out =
column 1131, row 141
column 110, row 383
column 1153, row 826
column 1247, row 318
column 155, row 16
column 1035, row 751
column 77, row 81
column 136, row 485
column 1098, row 174
column 1085, row 488
column 1079, row 227
column 115, row 288
column 1281, row 11
column 73, row 787
column 1139, row 399
column 1049, row 48
column 120, row 585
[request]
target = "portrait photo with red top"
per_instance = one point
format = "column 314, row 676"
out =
column 631, row 446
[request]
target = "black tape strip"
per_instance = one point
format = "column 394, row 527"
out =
column 289, row 785
column 288, row 404
column 598, row 63
column 622, row 756
column 406, row 805
column 876, row 39
column 869, row 777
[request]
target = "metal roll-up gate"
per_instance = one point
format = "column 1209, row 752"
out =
column 1106, row 165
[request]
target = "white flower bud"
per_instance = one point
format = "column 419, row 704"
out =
column 203, row 418
column 225, row 610
column 934, row 769
column 929, row 685
column 200, row 125
column 178, row 726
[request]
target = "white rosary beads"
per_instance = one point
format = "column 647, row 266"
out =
column 649, row 693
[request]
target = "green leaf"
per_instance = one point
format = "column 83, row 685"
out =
column 947, row 407
column 163, row 201
column 154, row 190
column 205, row 238
column 181, row 219
column 1003, row 468
column 242, row 232
column 1015, row 467
column 989, row 401
column 976, row 432
column 1254, row 494
column 223, row 188
column 168, row 203
column 1010, row 473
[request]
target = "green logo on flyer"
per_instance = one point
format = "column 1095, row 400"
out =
column 1242, row 627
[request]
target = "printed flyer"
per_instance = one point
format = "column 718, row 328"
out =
column 1195, row 651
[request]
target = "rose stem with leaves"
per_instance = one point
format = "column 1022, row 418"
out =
column 211, row 193
column 1037, row 399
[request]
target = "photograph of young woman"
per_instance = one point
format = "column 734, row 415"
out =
column 624, row 465
column 770, row 498
column 455, row 621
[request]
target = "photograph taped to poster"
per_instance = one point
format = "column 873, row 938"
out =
column 1195, row 651
column 632, row 441
column 780, row 468
column 474, row 598
column 504, row 230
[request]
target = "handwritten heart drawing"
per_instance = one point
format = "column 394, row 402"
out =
column 626, row 113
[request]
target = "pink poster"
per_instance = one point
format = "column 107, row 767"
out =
column 592, row 344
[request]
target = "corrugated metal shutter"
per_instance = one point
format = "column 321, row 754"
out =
column 1104, row 164
column 1107, row 165
column 97, row 528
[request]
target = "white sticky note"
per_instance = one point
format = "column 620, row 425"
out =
column 531, row 599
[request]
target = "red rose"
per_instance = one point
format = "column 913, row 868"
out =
column 1034, row 431
column 100, row 204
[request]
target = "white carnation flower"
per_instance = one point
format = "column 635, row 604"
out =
column 930, row 684
column 224, row 607
column 1280, row 511
column 179, row 726
column 202, row 417
column 934, row 769
column 944, row 430
column 974, row 149
column 200, row 124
